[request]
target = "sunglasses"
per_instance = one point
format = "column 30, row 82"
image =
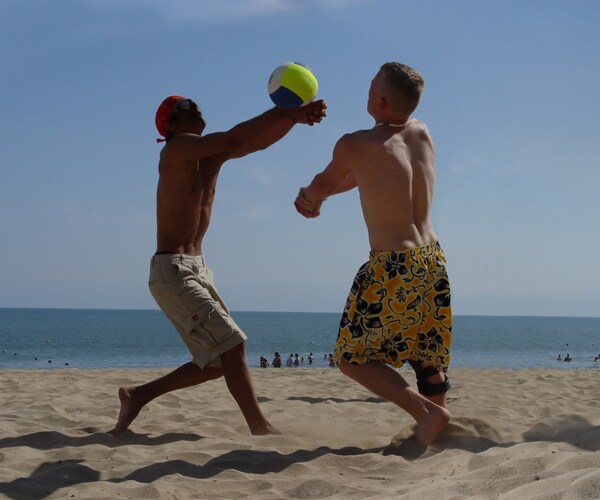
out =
column 186, row 104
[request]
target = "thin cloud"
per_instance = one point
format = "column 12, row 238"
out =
column 517, row 168
column 474, row 164
column 483, row 167
column 209, row 10
column 340, row 4
column 257, row 212
column 227, row 10
column 260, row 175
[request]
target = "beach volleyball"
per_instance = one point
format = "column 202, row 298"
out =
column 292, row 85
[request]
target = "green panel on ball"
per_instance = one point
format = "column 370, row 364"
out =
column 300, row 80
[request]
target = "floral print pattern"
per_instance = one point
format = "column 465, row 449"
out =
column 398, row 310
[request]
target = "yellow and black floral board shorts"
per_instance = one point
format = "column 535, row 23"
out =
column 398, row 310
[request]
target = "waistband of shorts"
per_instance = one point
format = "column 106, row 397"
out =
column 424, row 250
column 159, row 258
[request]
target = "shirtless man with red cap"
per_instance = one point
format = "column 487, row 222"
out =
column 179, row 280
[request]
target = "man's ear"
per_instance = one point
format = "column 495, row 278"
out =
column 171, row 124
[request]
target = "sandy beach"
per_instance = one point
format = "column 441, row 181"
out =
column 515, row 434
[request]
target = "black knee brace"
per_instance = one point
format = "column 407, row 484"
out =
column 426, row 388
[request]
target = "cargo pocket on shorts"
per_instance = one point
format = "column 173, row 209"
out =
column 207, row 327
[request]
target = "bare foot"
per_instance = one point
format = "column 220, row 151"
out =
column 428, row 429
column 129, row 410
column 264, row 430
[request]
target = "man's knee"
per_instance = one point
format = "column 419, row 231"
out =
column 342, row 365
column 236, row 354
column 346, row 367
column 212, row 372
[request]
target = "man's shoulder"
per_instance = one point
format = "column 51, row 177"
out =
column 357, row 135
column 418, row 128
column 356, row 138
column 177, row 153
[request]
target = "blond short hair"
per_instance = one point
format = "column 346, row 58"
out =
column 405, row 80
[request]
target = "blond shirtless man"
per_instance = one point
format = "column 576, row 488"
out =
column 398, row 309
column 179, row 280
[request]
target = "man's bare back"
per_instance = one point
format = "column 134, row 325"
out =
column 394, row 172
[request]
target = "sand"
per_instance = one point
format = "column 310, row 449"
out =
column 515, row 434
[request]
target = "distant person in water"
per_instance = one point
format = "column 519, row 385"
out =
column 276, row 361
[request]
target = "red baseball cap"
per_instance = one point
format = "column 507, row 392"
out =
column 164, row 112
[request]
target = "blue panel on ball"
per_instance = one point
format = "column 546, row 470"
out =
column 286, row 99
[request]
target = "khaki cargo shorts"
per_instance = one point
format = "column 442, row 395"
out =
column 184, row 289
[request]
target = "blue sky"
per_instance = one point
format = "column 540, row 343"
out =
column 511, row 100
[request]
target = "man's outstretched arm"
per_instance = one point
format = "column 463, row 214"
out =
column 268, row 128
column 247, row 137
column 336, row 178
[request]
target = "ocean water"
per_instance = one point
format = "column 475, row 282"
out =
column 61, row 338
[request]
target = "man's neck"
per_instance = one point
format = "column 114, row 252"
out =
column 392, row 120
